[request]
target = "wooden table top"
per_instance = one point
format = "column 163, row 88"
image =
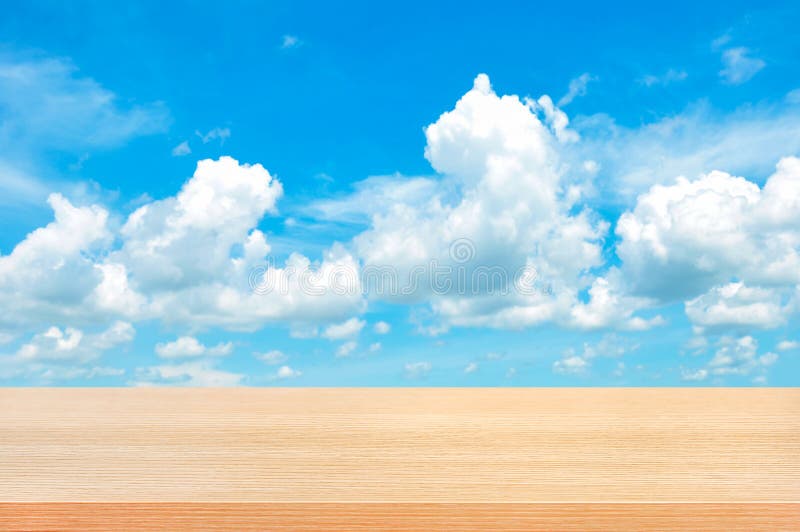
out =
column 482, row 457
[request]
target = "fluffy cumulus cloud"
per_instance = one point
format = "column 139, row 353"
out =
column 286, row 372
column 382, row 327
column 347, row 329
column 53, row 273
column 687, row 241
column 59, row 353
column 502, row 201
column 196, row 259
column 734, row 304
column 735, row 356
column 177, row 261
column 188, row 347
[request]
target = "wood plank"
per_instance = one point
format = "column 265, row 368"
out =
column 400, row 445
column 403, row 517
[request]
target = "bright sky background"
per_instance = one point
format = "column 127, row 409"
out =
column 638, row 160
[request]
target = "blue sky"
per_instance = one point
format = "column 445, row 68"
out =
column 638, row 164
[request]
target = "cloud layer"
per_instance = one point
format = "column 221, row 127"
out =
column 514, row 187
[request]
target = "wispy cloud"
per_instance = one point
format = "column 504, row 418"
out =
column 346, row 349
column 739, row 65
column 667, row 78
column 577, row 87
column 273, row 357
column 417, row 370
column 48, row 105
column 218, row 133
column 199, row 373
column 290, row 41
column 182, row 149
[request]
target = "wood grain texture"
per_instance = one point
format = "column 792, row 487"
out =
column 409, row 459
column 400, row 445
column 401, row 517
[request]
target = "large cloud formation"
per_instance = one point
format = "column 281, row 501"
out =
column 503, row 195
column 509, row 193
column 172, row 259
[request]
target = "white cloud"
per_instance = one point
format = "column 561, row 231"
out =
column 285, row 372
column 374, row 347
column 176, row 260
column 472, row 367
column 346, row 349
column 577, row 87
column 747, row 141
column 347, row 329
column 739, row 356
column 734, row 357
column 72, row 345
column 667, row 78
column 682, row 240
column 373, row 196
column 417, row 370
column 571, row 365
column 188, row 346
column 178, row 252
column 196, row 373
column 788, row 345
column 555, row 118
column 610, row 345
column 513, row 181
column 739, row 66
column 217, row 133
column 273, row 357
column 694, row 375
column 721, row 41
column 186, row 239
column 181, row 149
column 65, row 373
column 382, row 327
column 51, row 273
column 52, row 354
column 608, row 307
column 500, row 193
column 735, row 304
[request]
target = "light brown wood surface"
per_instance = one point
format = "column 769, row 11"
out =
column 622, row 517
column 444, row 452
